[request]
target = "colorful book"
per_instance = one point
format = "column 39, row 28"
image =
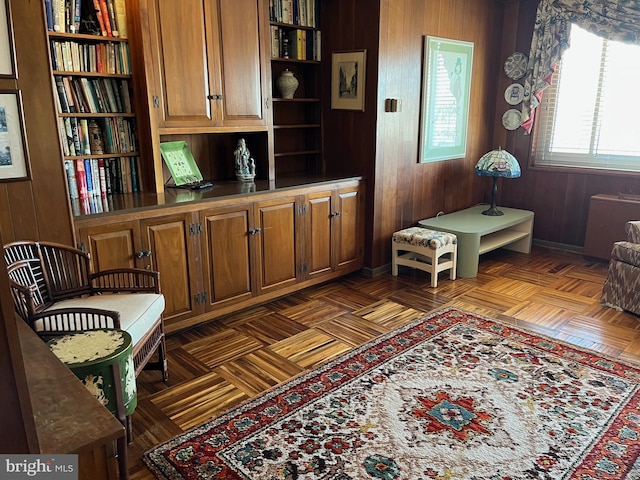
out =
column 75, row 137
column 72, row 182
column 69, row 136
column 104, row 10
column 62, row 96
column 48, row 9
column 95, row 177
column 85, row 140
column 81, row 178
column 112, row 18
column 96, row 6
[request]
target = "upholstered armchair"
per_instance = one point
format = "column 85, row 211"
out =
column 55, row 292
column 622, row 287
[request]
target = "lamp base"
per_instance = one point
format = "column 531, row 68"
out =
column 493, row 211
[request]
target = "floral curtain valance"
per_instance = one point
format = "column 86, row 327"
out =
column 617, row 20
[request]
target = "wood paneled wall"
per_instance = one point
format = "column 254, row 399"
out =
column 36, row 208
column 560, row 200
column 384, row 146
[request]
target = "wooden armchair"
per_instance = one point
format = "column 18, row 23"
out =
column 55, row 292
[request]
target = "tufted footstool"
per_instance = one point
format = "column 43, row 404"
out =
column 427, row 250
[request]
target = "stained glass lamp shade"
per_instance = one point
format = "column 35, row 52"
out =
column 497, row 163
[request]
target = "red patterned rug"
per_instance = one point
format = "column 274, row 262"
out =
column 451, row 396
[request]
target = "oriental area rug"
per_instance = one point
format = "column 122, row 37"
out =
column 453, row 395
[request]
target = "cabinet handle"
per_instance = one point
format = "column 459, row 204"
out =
column 143, row 254
column 214, row 97
column 254, row 231
column 335, row 214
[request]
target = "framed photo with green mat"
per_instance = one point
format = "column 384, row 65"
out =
column 182, row 165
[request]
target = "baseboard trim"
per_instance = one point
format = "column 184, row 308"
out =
column 374, row 272
column 558, row 246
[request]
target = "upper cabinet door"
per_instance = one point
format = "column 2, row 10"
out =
column 205, row 56
column 178, row 45
column 243, row 71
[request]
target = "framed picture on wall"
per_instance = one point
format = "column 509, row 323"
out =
column 348, row 71
column 14, row 164
column 446, row 88
column 7, row 64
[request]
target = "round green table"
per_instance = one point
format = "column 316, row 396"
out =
column 102, row 360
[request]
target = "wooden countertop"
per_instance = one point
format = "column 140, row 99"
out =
column 69, row 419
column 131, row 202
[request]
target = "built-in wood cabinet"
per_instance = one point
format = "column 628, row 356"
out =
column 162, row 243
column 207, row 62
column 224, row 254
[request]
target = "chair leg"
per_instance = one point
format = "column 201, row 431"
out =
column 434, row 268
column 162, row 358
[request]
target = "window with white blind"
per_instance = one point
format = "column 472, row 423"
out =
column 588, row 117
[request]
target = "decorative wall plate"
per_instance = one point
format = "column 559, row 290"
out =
column 514, row 94
column 516, row 65
column 511, row 119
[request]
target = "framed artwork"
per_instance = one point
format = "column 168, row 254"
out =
column 6, row 50
column 446, row 87
column 14, row 164
column 348, row 71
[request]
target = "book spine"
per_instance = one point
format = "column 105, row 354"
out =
column 75, row 23
column 58, row 15
column 112, row 18
column 81, row 177
column 119, row 181
column 105, row 17
column 95, row 177
column 121, row 17
column 69, row 136
column 134, row 175
column 71, row 98
column 62, row 96
column 48, row 9
column 96, row 6
column 62, row 132
column 81, row 102
column 86, row 143
column 123, row 174
column 103, row 177
column 72, row 182
column 89, row 176
column 107, row 175
column 75, row 137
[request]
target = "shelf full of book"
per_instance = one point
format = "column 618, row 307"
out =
column 297, row 122
column 92, row 85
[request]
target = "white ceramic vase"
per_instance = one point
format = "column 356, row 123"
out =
column 287, row 84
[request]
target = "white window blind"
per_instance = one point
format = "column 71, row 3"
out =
column 588, row 117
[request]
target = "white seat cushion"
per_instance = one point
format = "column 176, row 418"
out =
column 138, row 311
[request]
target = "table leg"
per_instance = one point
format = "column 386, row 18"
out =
column 122, row 416
column 468, row 255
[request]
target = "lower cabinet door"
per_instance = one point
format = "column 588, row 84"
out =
column 226, row 249
column 276, row 240
column 319, row 245
column 169, row 246
column 112, row 245
column 350, row 243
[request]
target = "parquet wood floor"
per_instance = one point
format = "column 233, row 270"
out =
column 215, row 366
